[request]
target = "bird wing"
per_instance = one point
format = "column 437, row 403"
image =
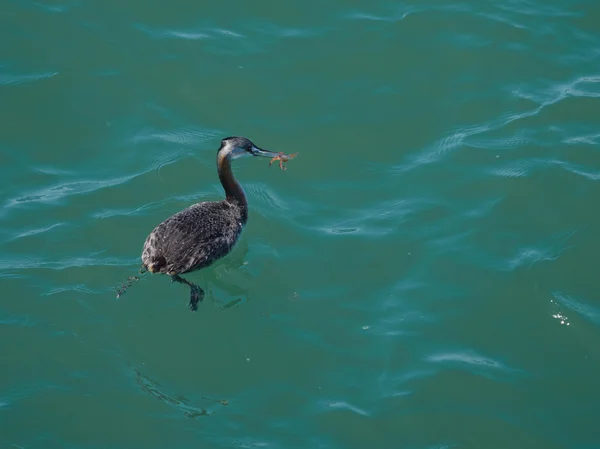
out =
column 195, row 237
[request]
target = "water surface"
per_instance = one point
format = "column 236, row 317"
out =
column 422, row 276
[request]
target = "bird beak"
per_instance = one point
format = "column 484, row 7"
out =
column 260, row 152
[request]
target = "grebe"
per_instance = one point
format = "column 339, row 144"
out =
column 204, row 232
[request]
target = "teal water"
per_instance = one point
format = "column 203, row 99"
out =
column 424, row 274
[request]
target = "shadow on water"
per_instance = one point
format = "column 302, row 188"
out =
column 181, row 403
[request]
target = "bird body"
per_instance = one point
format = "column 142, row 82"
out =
column 193, row 238
column 204, row 232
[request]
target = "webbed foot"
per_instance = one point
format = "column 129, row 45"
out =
column 130, row 281
column 196, row 295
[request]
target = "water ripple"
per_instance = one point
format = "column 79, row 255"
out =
column 590, row 139
column 58, row 192
column 577, row 305
column 188, row 136
column 15, row 80
column 79, row 288
column 548, row 95
column 583, row 86
column 474, row 361
column 38, row 230
column 343, row 405
column 158, row 33
column 518, row 139
column 463, row 357
column 54, row 8
column 518, row 168
column 90, row 260
column 402, row 11
column 7, row 318
column 187, row 35
column 581, row 171
column 503, row 19
column 379, row 219
column 537, row 9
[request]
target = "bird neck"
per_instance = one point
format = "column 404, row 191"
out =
column 233, row 190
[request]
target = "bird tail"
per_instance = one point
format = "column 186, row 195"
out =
column 157, row 263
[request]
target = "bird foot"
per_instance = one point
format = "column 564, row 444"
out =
column 129, row 282
column 196, row 295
